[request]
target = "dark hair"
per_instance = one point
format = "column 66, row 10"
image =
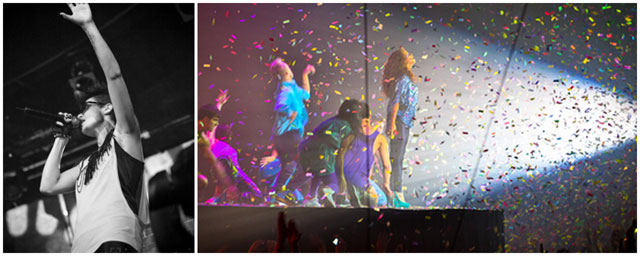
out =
column 366, row 113
column 102, row 96
column 223, row 132
column 353, row 112
column 208, row 110
column 394, row 69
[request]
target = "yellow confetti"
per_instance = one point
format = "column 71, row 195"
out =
column 207, row 65
column 337, row 92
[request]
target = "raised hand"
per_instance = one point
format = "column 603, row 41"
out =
column 223, row 97
column 293, row 234
column 80, row 14
column 309, row 70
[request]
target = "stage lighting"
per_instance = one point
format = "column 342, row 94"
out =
column 82, row 79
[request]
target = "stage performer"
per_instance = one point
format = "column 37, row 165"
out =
column 222, row 187
column 214, row 184
column 111, row 202
column 223, row 152
column 361, row 149
column 399, row 87
column 318, row 153
column 290, row 119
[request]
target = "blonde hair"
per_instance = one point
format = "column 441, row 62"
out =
column 276, row 66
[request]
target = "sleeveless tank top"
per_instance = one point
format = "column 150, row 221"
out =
column 359, row 159
column 113, row 206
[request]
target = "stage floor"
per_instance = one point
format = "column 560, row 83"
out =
column 235, row 229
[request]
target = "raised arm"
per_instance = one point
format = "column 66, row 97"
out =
column 309, row 70
column 127, row 124
column 223, row 97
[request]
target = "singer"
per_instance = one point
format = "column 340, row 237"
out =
column 108, row 184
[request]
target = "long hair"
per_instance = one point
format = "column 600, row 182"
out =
column 394, row 68
column 353, row 112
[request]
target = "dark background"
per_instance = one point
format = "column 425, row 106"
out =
column 153, row 44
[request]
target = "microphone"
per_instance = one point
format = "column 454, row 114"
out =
column 75, row 122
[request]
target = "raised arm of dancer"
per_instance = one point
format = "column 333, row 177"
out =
column 309, row 70
column 344, row 146
column 52, row 181
column 127, row 125
column 223, row 97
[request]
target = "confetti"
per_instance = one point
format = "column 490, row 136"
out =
column 560, row 149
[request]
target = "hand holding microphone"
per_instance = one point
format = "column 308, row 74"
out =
column 65, row 126
column 65, row 122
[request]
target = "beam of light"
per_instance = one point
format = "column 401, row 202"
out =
column 46, row 224
column 547, row 117
column 16, row 220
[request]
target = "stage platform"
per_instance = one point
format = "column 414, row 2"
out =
column 235, row 229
